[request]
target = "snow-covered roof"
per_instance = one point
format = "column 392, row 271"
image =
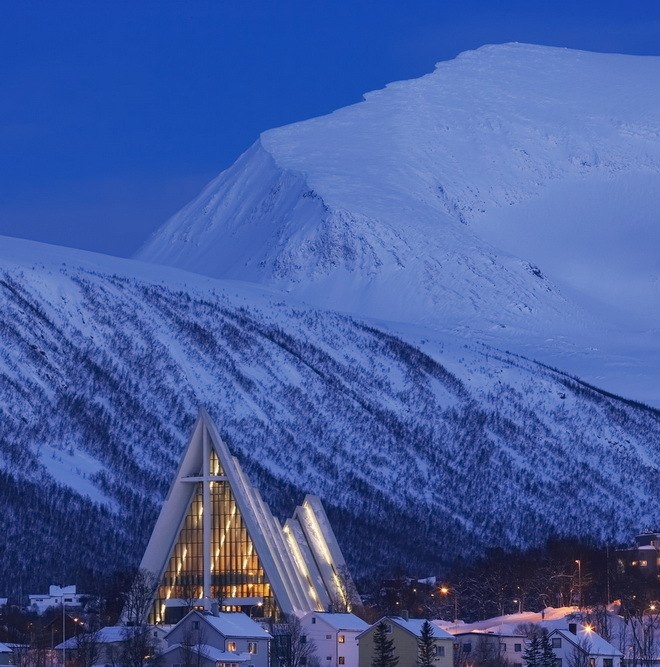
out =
column 235, row 624
column 107, row 635
column 591, row 640
column 414, row 626
column 349, row 622
column 4, row 648
column 213, row 653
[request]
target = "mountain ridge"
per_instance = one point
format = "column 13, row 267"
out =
column 511, row 193
column 105, row 363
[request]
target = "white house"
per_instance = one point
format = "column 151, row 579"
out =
column 202, row 655
column 235, row 634
column 55, row 597
column 335, row 637
column 599, row 653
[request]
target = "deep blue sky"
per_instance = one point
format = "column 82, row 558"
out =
column 114, row 114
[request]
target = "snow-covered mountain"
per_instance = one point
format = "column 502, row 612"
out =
column 422, row 445
column 511, row 196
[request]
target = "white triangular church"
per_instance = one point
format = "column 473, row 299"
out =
column 216, row 542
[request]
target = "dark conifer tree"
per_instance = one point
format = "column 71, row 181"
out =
column 548, row 658
column 384, row 652
column 426, row 646
column 533, row 652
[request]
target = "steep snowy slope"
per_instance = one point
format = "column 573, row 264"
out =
column 511, row 193
column 422, row 446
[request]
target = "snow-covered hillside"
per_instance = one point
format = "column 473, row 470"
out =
column 511, row 196
column 422, row 445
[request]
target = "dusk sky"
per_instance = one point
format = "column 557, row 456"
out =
column 113, row 115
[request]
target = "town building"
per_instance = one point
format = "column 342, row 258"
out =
column 225, row 638
column 583, row 647
column 406, row 633
column 335, row 637
column 644, row 557
column 56, row 596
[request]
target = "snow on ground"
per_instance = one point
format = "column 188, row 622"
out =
column 551, row 617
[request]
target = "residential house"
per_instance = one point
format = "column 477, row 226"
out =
column 56, row 595
column 111, row 645
column 335, row 637
column 478, row 647
column 594, row 651
column 233, row 633
column 5, row 654
column 202, row 655
column 406, row 634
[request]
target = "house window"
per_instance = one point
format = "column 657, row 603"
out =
column 341, row 639
column 313, row 620
column 439, row 651
column 558, row 662
column 388, row 629
column 517, row 648
column 328, row 636
column 502, row 648
column 592, row 662
column 303, row 639
column 231, row 646
column 556, row 642
column 252, row 647
column 195, row 625
column 643, row 563
column 608, row 662
column 467, row 647
column 329, row 657
column 342, row 660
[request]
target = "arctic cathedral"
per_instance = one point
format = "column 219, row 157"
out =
column 217, row 543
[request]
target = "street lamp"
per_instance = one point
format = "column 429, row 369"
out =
column 62, row 593
column 519, row 601
column 579, row 564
